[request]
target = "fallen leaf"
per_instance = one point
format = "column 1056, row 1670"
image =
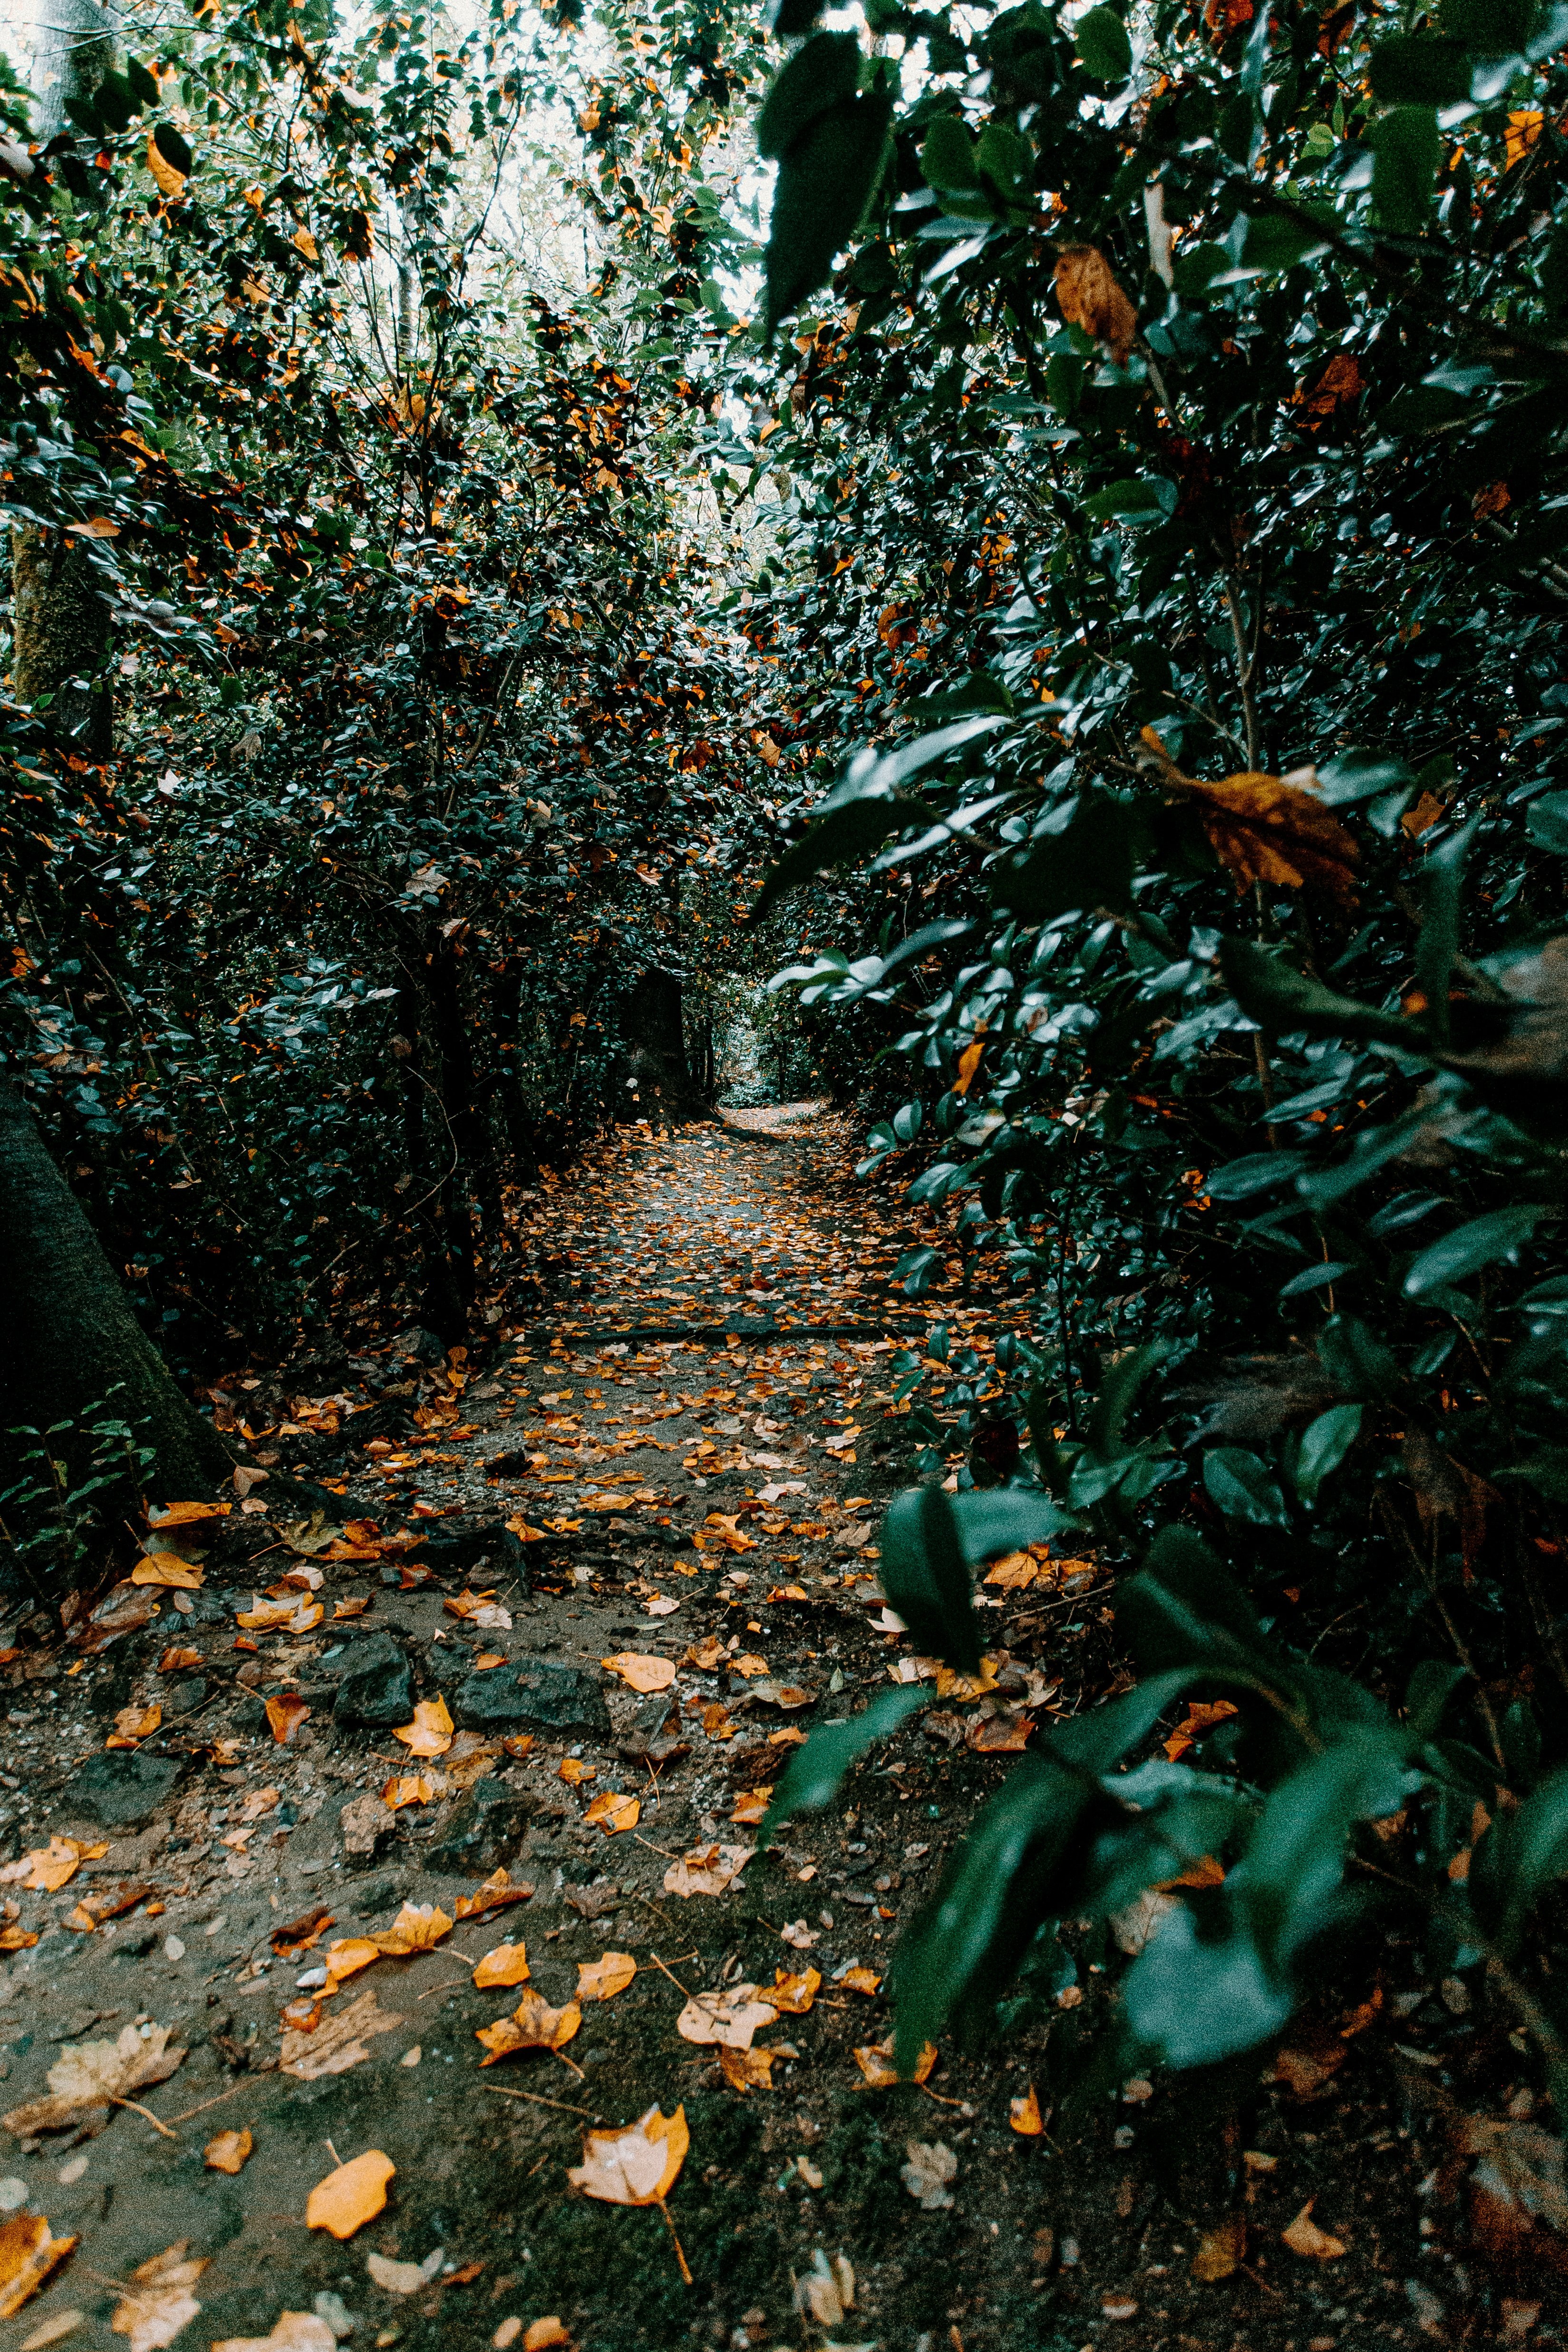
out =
column 29, row 2250
column 998, row 1735
column 544, row 2335
column 342, row 1609
column 1024, row 2115
column 338, row 2043
column 613, row 1812
column 748, row 2070
column 533, row 2025
column 346, row 1955
column 705, row 1655
column 637, row 2166
column 1221, row 2250
column 351, row 2196
column 177, row 1515
column 228, row 2151
column 932, row 2164
column 88, row 2075
column 751, row 1807
column 826, row 2291
column 600, row 1979
column 53, row 2330
column 1092, row 299
column 729, row 2017
column 494, row 1895
column 404, row 2278
column 430, row 1733
column 574, row 1771
column 1202, row 1715
column 173, row 1662
column 640, row 1670
column 286, row 1714
column 706, row 1870
column 659, row 1605
column 951, row 1685
column 1141, row 1920
column 748, row 1663
column 1304, row 2237
column 294, row 2331
column 419, row 1927
column 408, row 1789
column 161, row 1569
column 796, row 1933
column 160, row 2301
column 791, row 1996
column 864, row 1980
column 49, row 1867
column 506, row 1964
column 875, row 2063
column 1306, row 2073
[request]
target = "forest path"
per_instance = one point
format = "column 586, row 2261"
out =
column 598, row 1710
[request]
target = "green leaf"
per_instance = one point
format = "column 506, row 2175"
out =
column 1279, row 998
column 820, row 77
column 1153, row 496
column 1420, row 69
column 1117, row 1395
column 1325, row 1442
column 1439, row 940
column 1547, row 823
column 1004, row 160
column 1085, row 858
column 1240, row 1485
column 844, row 835
column 1241, row 1180
column 1405, row 151
column 1276, row 242
column 1195, row 1999
column 1523, row 1854
column 144, row 89
column 1431, row 1685
column 925, row 1574
column 1103, row 43
column 1464, row 1252
column 173, row 148
column 813, row 1774
column 947, row 157
column 1182, row 1611
column 787, row 19
column 1004, row 1519
column 825, row 182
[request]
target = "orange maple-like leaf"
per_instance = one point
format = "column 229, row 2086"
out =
column 1266, row 828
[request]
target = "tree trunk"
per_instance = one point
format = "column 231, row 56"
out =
column 70, row 1335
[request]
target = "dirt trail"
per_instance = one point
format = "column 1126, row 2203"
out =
column 693, row 1451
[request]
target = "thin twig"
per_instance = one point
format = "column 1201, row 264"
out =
column 674, row 1979
column 675, row 2242
column 538, row 2099
column 137, row 2109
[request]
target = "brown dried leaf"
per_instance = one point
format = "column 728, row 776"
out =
column 748, row 2070
column 506, row 1964
column 338, row 2043
column 1221, row 2250
column 637, row 2166
column 1303, row 2237
column 729, row 2017
column 533, row 2025
column 90, row 2075
column 706, row 1870
column 160, row 2301
column 228, row 2151
column 1092, row 299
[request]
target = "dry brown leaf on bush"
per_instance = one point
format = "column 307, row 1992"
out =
column 602, row 1978
column 1024, row 2115
column 338, row 2043
column 748, row 2070
column 351, row 2196
column 293, row 2331
column 637, row 2166
column 876, row 2062
column 1092, row 299
column 430, row 1733
column 506, row 1964
column 158, row 2302
column 1304, row 2237
column 29, row 2250
column 88, row 2075
column 729, row 2017
column 791, row 1996
column 228, row 2151
column 707, row 1869
column 533, row 2025
column 1221, row 2250
column 1263, row 828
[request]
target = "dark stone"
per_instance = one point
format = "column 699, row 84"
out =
column 424, row 1345
column 119, row 1790
column 384, row 1891
column 185, row 1696
column 376, row 1688
column 448, row 1664
column 484, row 1831
column 250, row 1715
column 546, row 1696
column 460, row 1549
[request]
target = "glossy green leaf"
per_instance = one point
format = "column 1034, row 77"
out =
column 1101, row 41
column 827, row 179
column 1325, row 1443
column 822, row 74
column 1243, row 1487
column 947, row 155
column 925, row 1572
column 1420, row 69
column 173, row 148
column 815, row 1773
column 1405, row 153
column 1482, row 1242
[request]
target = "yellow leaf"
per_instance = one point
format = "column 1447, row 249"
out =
column 1304, row 2237
column 748, row 2070
column 29, row 2250
column 637, row 2166
column 641, row 1670
column 135, row 1723
column 408, row 1789
column 968, row 1062
column 228, row 2151
column 730, row 2017
column 430, row 1733
column 1266, row 828
column 864, row 1980
column 346, row 1955
column 706, row 1870
column 613, row 1812
column 303, row 242
column 533, row 2025
column 1024, row 2115
column 419, row 1927
column 572, row 1770
column 791, row 1996
column 351, row 2196
column 600, row 1979
column 286, row 1713
column 1221, row 2250
column 505, row 1964
column 161, row 1568
column 875, row 2063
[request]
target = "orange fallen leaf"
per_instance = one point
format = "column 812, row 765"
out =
column 748, row 2070
column 753, row 1805
column 544, row 2335
column 521, row 1743
column 998, row 1735
column 637, row 2166
column 164, row 1570
column 1304, row 2237
column 706, row 1870
column 951, row 1685
column 1024, row 2115
column 729, row 2018
column 533, row 2025
column 875, row 2063
column 494, row 1895
column 572, row 1770
column 489, row 1658
column 791, row 1996
column 600, row 1979
column 1221, row 2250
column 286, row 1713
column 613, row 1812
column 864, row 1980
column 641, row 1670
column 133, row 1724
column 408, row 1789
column 29, row 2250
column 228, row 2151
column 301, row 1935
column 346, row 1955
column 1202, row 1715
column 49, row 1867
column 1014, row 1572
column 419, row 1927
column 748, row 1663
column 173, row 1660
column 506, row 1964
column 176, row 1515
column 705, row 1655
column 351, row 2196
column 430, row 1733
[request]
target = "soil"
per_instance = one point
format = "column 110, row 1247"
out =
column 1084, row 2233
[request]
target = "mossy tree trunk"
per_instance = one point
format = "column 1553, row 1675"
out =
column 70, row 1335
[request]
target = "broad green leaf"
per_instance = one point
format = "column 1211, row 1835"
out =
column 815, row 1773
column 1439, row 940
column 1325, row 1442
column 1428, row 1692
column 947, row 157
column 1195, row 1999
column 1239, row 1180
column 1242, row 1487
column 1280, row 998
column 1003, row 1519
column 173, row 148
column 1148, row 497
column 1405, row 152
column 826, row 181
column 1547, row 823
column 1117, row 1396
column 1464, row 1252
column 1182, row 1611
column 1103, row 43
column 820, row 77
column 925, row 1574
column 1085, row 859
column 838, row 838
column 1295, row 1862
column 1420, row 69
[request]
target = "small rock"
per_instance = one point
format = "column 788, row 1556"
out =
column 185, row 1696
column 377, row 1688
column 546, row 1694
column 484, row 1832
column 119, row 1790
column 366, row 1824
